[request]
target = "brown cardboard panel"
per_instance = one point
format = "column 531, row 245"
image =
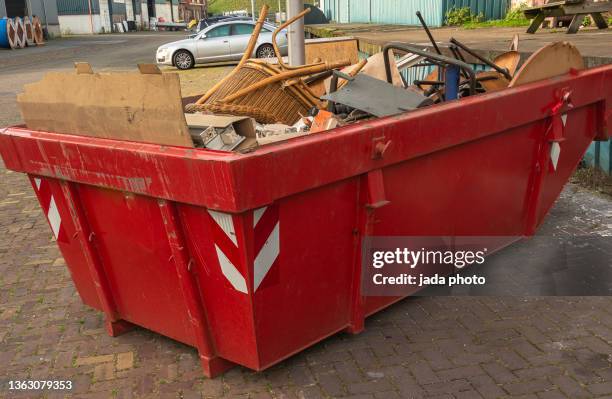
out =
column 122, row 105
column 332, row 49
column 551, row 60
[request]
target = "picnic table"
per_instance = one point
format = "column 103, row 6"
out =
column 577, row 9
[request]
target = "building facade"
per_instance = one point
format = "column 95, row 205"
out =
column 104, row 16
column 403, row 12
column 46, row 10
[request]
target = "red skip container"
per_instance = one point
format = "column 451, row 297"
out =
column 253, row 257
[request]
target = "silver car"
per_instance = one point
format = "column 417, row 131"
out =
column 221, row 42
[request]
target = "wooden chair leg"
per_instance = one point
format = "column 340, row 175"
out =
column 576, row 23
column 599, row 20
column 535, row 23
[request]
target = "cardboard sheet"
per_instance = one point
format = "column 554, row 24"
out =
column 119, row 105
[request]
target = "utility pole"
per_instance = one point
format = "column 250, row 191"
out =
column 296, row 33
column 253, row 9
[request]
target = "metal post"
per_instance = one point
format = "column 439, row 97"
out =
column 253, row 10
column 296, row 33
column 90, row 18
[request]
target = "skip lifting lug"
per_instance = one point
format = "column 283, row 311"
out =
column 379, row 147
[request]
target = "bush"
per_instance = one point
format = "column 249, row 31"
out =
column 516, row 14
column 461, row 16
column 586, row 21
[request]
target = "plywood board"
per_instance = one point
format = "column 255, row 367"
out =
column 332, row 50
column 509, row 60
column 122, row 105
column 551, row 60
column 375, row 67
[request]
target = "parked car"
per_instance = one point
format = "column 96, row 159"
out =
column 221, row 42
column 206, row 22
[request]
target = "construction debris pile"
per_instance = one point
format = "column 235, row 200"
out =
column 265, row 101
column 19, row 32
column 287, row 101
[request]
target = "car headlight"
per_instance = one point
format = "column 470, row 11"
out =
column 162, row 52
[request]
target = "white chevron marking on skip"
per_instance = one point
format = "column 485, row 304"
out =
column 266, row 257
column 555, row 152
column 230, row 272
column 564, row 119
column 257, row 214
column 224, row 220
column 54, row 218
column 37, row 181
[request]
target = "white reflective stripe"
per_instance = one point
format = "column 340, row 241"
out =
column 54, row 218
column 257, row 214
column 555, row 152
column 266, row 257
column 230, row 272
column 564, row 119
column 37, row 182
column 224, row 220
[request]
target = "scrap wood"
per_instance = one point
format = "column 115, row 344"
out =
column 120, row 105
column 38, row 32
column 29, row 32
column 492, row 81
column 374, row 67
column 332, row 49
column 258, row 89
column 247, row 54
column 509, row 61
column 323, row 121
column 309, row 70
column 551, row 60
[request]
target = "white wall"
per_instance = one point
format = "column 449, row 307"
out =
column 79, row 24
column 105, row 16
column 145, row 15
column 129, row 11
column 163, row 10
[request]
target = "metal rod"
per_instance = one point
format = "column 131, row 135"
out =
column 503, row 71
column 455, row 51
column 435, row 57
column 431, row 38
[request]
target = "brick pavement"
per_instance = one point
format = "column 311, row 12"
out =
column 443, row 347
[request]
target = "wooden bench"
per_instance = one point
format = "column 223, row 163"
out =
column 577, row 9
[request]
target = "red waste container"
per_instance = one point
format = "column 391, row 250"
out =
column 253, row 257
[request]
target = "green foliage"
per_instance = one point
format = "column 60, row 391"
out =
column 514, row 18
column 219, row 6
column 586, row 21
column 461, row 16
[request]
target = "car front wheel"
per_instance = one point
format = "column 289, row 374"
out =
column 183, row 59
column 265, row 51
